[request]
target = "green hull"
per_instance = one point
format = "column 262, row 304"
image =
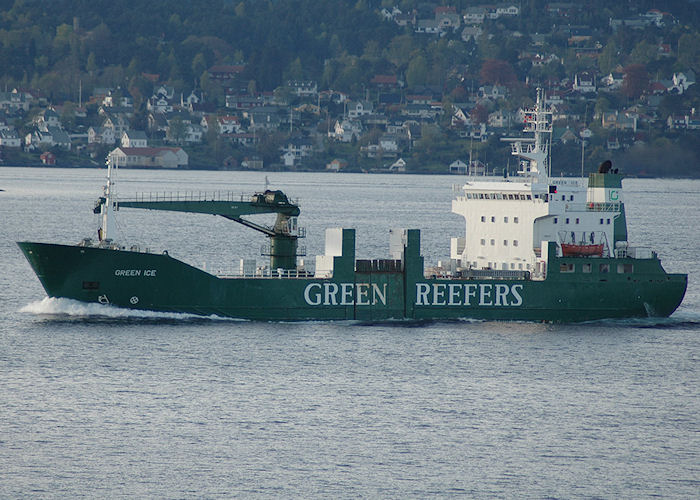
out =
column 158, row 282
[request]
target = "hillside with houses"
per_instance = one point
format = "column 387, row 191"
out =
column 375, row 86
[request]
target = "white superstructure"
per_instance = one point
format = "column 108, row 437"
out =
column 510, row 220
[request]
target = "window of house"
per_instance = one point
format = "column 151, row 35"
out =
column 493, row 243
column 601, row 221
column 483, row 219
column 556, row 220
column 567, row 220
column 515, row 243
column 608, row 222
column 577, row 220
column 566, row 268
column 493, row 219
column 604, row 268
column 483, row 241
column 505, row 243
column 586, row 268
column 571, row 198
column 515, row 220
column 505, row 219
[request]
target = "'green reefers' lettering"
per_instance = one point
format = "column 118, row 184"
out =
column 344, row 294
column 471, row 294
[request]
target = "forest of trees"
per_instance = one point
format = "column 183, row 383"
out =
column 340, row 44
column 62, row 46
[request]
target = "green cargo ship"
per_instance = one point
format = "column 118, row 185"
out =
column 536, row 248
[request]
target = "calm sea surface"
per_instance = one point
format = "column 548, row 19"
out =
column 99, row 402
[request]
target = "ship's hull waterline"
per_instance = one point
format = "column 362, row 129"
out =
column 611, row 288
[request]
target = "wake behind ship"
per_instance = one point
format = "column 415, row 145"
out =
column 535, row 248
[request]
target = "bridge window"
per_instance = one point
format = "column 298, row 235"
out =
column 625, row 268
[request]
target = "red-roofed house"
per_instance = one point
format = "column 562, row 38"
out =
column 225, row 72
column 386, row 81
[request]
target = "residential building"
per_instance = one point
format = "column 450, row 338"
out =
column 9, row 138
column 101, row 135
column 150, row 157
column 359, row 108
column 134, row 139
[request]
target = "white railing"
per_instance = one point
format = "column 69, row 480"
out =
column 234, row 272
column 593, row 207
column 177, row 196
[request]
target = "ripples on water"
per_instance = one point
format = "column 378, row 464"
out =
column 100, row 401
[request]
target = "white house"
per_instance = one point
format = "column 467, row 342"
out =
column 9, row 138
column 584, row 82
column 134, row 139
column 101, row 135
column 228, row 124
column 288, row 159
column 150, row 157
column 359, row 108
column 344, row 130
column 458, row 167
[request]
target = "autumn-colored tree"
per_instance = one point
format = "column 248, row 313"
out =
column 479, row 114
column 498, row 72
column 635, row 81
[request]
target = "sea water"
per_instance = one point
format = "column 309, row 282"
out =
column 103, row 402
